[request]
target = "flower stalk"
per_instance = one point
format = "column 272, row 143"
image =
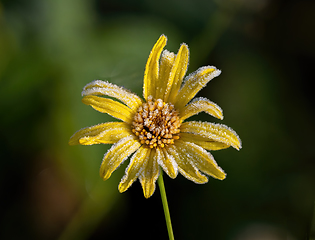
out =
column 165, row 207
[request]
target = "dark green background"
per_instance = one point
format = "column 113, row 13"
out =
column 49, row 49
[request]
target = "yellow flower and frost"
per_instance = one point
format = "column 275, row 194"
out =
column 154, row 130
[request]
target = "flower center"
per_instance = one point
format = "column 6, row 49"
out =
column 156, row 123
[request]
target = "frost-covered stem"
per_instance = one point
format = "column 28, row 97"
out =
column 165, row 207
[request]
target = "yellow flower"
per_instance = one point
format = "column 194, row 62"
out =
column 153, row 130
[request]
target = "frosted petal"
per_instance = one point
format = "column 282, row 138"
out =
column 203, row 142
column 99, row 87
column 105, row 133
column 151, row 73
column 167, row 60
column 134, row 168
column 194, row 82
column 185, row 165
column 109, row 106
column 212, row 131
column 177, row 74
column 167, row 162
column 202, row 159
column 117, row 154
column 198, row 105
column 149, row 174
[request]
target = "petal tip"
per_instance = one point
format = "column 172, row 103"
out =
column 162, row 40
column 148, row 194
column 224, row 176
column 185, row 46
column 121, row 188
column 163, row 36
column 104, row 177
column 85, row 100
column 72, row 142
column 202, row 180
column 238, row 145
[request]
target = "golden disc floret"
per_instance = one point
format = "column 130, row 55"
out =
column 156, row 123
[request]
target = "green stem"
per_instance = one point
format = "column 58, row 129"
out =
column 165, row 207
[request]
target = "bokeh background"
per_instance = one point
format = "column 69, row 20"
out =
column 49, row 49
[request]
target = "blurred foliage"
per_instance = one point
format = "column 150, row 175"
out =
column 50, row 49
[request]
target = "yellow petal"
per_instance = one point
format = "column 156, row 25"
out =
column 151, row 73
column 167, row 60
column 213, row 132
column 134, row 168
column 106, row 133
column 99, row 87
column 203, row 142
column 201, row 105
column 109, row 106
column 149, row 174
column 193, row 83
column 202, row 159
column 117, row 154
column 177, row 74
column 185, row 165
column 167, row 162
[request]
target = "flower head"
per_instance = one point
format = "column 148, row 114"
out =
column 154, row 130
